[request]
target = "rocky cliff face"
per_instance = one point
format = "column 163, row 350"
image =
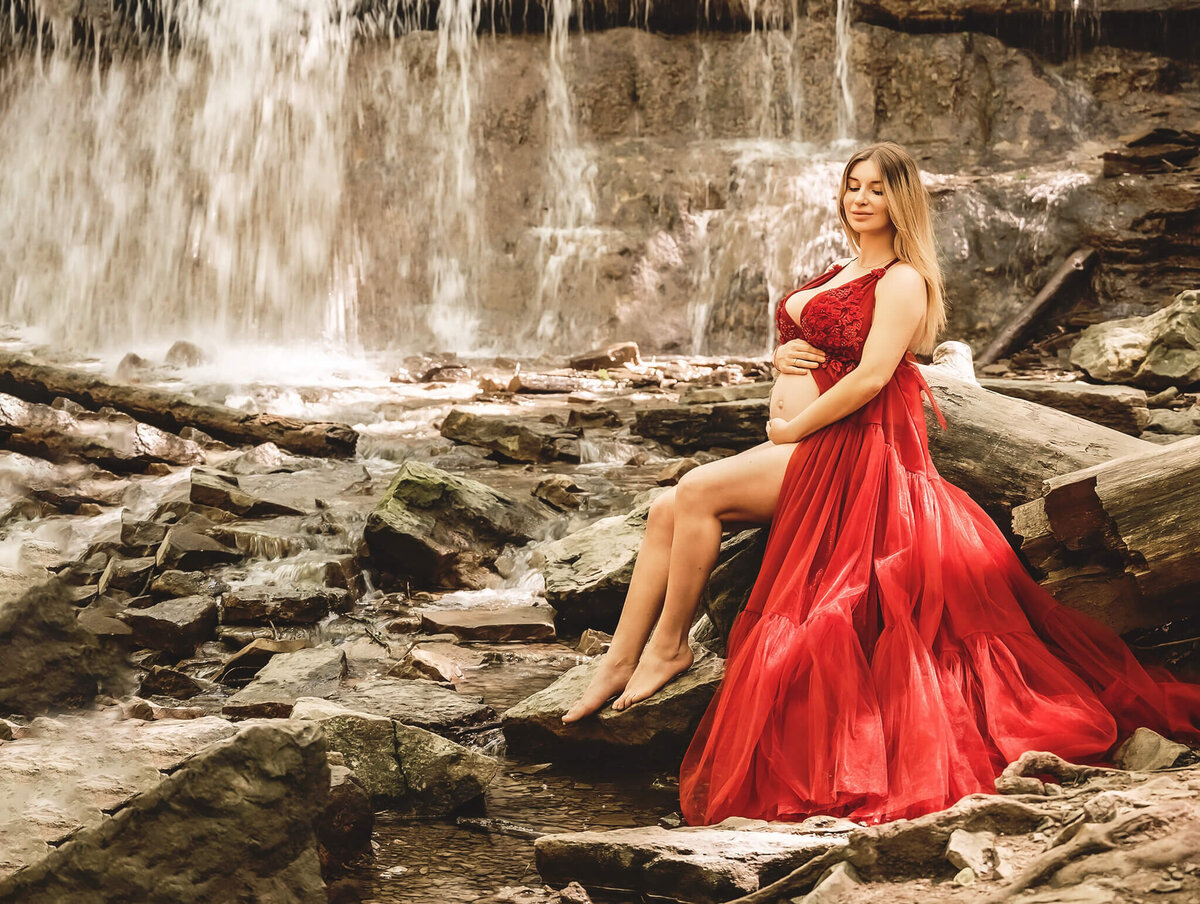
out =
column 502, row 182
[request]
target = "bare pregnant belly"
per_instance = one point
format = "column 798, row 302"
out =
column 792, row 393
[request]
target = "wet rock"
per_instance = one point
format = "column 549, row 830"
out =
column 126, row 574
column 187, row 550
column 187, row 833
column 513, row 438
column 440, row 775
column 131, row 367
column 587, row 572
column 169, row 682
column 287, row 677
column 439, row 661
column 217, row 490
column 418, row 703
column 511, row 623
column 1147, row 750
column 185, row 354
column 1156, row 351
column 141, row 537
column 702, row 865
column 733, row 578
column 561, row 492
column 345, row 825
column 273, row 538
column 445, row 531
column 186, row 583
column 657, row 729
column 735, row 425
column 39, row 636
column 180, row 511
column 738, row 392
column 174, row 626
column 285, row 605
column 366, row 742
column 593, row 642
column 265, row 458
column 670, row 475
column 609, row 356
column 408, row 769
column 246, row 662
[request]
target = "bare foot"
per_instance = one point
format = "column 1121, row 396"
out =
column 653, row 671
column 608, row 681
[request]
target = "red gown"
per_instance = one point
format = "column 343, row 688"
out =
column 894, row 654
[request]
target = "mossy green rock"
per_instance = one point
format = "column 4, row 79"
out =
column 442, row 531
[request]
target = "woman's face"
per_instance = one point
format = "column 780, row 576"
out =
column 863, row 200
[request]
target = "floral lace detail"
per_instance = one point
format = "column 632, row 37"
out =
column 833, row 320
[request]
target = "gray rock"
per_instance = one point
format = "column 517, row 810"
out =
column 687, row 428
column 840, row 883
column 416, row 702
column 701, row 865
column 445, row 531
column 672, row 473
column 609, row 356
column 217, row 490
column 188, row 837
column 1159, row 350
column 1182, row 422
column 126, row 574
column 185, row 354
column 188, row 550
column 1147, row 750
column 316, row 672
column 169, row 682
column 141, row 537
column 186, row 583
column 345, row 825
column 733, row 578
column 738, row 392
column 657, row 729
column 561, row 492
column 286, row 605
column 496, row 625
column 246, row 662
column 975, row 851
column 175, row 625
column 438, row 660
column 409, row 770
column 40, row 636
column 512, row 438
column 593, row 642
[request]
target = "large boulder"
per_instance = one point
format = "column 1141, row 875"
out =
column 731, row 581
column 47, row 659
column 509, row 438
column 417, row 702
column 1159, row 350
column 174, row 626
column 445, row 531
column 407, row 769
column 232, row 822
column 287, row 677
column 587, row 572
column 700, row 865
column 656, row 730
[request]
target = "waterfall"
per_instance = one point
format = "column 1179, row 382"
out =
column 844, row 99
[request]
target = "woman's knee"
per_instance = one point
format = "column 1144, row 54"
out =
column 694, row 490
column 662, row 512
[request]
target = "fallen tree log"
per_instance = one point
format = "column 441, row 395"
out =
column 998, row 449
column 116, row 442
column 1067, row 278
column 1122, row 408
column 1119, row 540
column 37, row 382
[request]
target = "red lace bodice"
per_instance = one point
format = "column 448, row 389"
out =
column 837, row 321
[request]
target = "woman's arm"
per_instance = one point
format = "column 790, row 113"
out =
column 900, row 303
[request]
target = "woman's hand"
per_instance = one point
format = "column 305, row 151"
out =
column 797, row 357
column 781, row 431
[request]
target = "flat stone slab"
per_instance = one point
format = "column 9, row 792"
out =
column 656, row 729
column 316, row 672
column 66, row 773
column 417, row 702
column 495, row 625
column 700, row 865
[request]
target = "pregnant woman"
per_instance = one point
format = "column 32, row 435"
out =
column 894, row 654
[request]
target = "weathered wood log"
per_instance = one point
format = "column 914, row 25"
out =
column 1066, row 278
column 38, row 382
column 998, row 449
column 1120, row 539
column 116, row 442
column 1122, row 408
column 547, row 383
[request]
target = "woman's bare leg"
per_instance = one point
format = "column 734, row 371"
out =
column 643, row 602
column 743, row 488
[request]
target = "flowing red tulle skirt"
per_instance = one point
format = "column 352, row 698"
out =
column 894, row 654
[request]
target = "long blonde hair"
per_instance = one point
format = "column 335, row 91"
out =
column 909, row 210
